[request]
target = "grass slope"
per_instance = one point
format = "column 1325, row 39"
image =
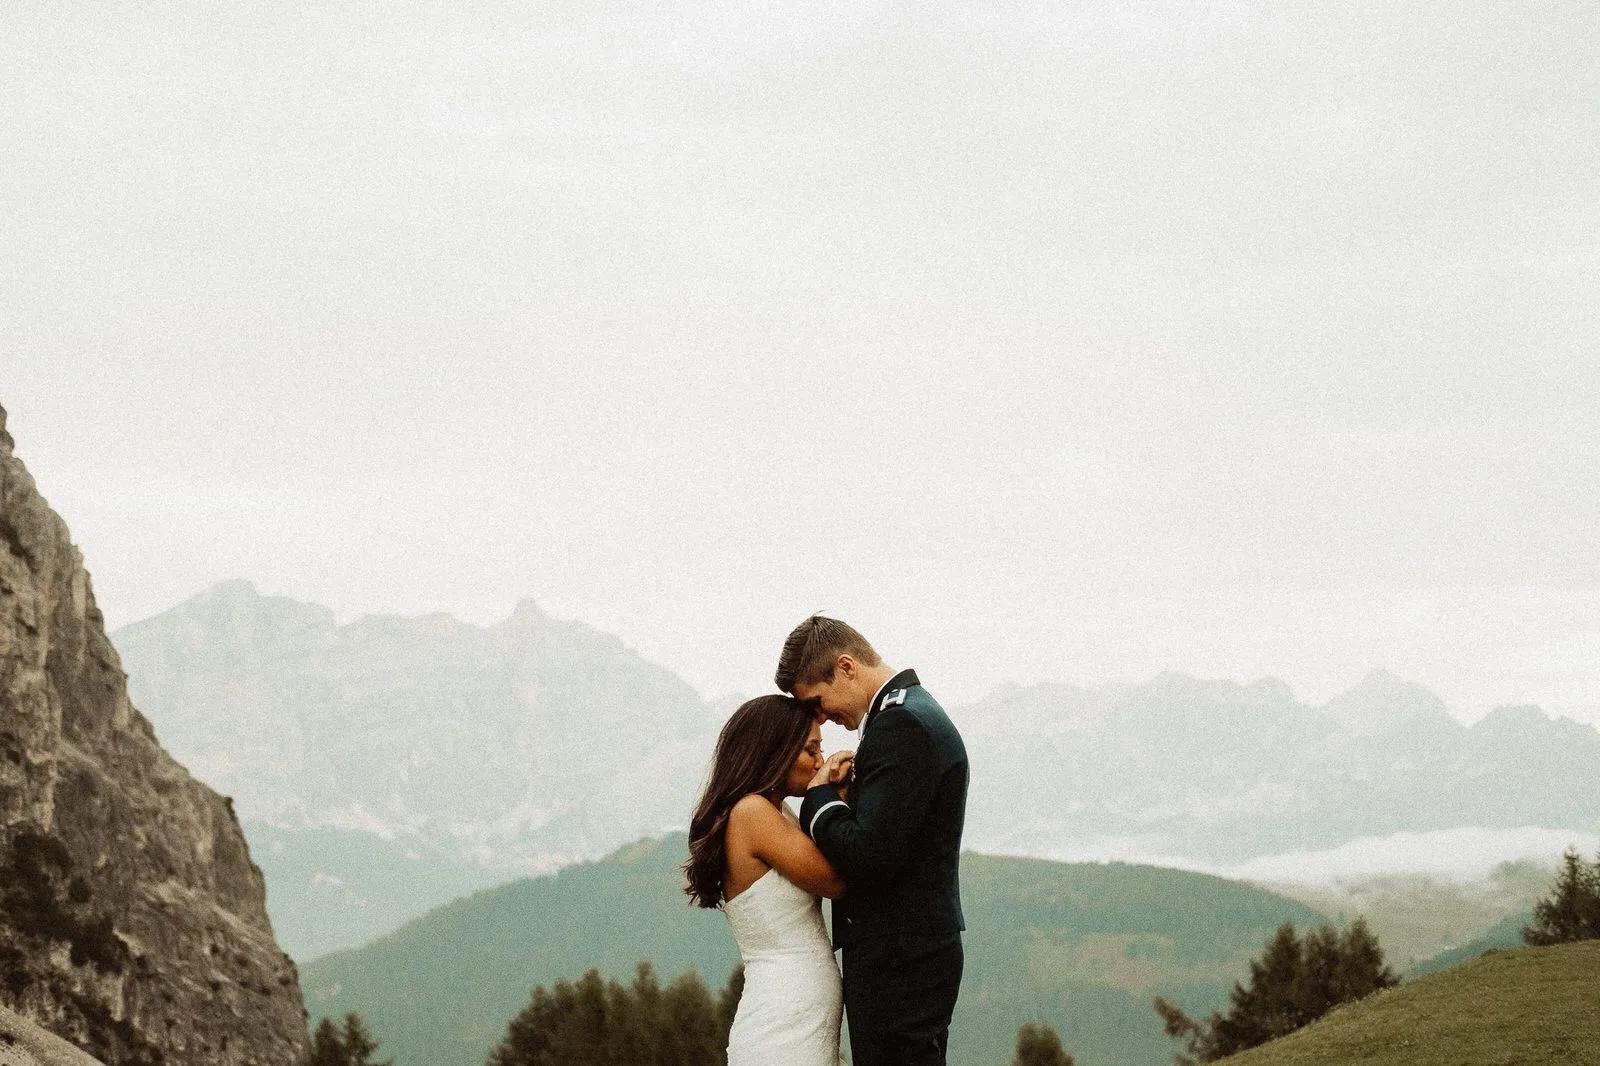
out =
column 1509, row 1008
column 1083, row 946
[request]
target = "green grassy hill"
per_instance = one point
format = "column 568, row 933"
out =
column 1533, row 1006
column 1083, row 946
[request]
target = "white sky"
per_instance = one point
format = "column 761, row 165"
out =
column 1075, row 342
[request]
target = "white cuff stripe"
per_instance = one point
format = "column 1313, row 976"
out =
column 812, row 831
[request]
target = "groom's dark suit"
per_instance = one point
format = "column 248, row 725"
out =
column 897, row 845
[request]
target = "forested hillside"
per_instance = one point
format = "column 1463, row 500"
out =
column 1083, row 946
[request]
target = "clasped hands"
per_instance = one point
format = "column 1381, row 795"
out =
column 836, row 770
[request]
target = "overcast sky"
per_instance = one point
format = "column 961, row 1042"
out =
column 1073, row 342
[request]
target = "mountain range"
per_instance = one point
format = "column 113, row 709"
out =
column 465, row 754
column 1187, row 769
column 524, row 745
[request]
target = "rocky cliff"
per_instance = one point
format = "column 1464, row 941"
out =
column 24, row 1044
column 132, row 921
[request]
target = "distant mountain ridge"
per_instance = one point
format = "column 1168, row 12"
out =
column 1222, row 772
column 535, row 743
column 523, row 745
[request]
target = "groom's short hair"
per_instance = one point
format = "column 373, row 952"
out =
column 814, row 647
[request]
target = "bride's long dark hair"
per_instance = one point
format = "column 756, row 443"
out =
column 755, row 751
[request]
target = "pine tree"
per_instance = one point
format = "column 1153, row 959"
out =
column 586, row 1023
column 691, row 1023
column 1038, row 1044
column 359, row 1044
column 528, row 1037
column 1196, row 1036
column 1293, row 983
column 647, row 1018
column 326, row 1048
column 1361, row 969
column 603, row 1023
column 1266, row 1007
column 351, row 1044
column 1316, row 985
column 1572, row 909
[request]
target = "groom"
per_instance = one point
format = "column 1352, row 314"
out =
column 896, row 843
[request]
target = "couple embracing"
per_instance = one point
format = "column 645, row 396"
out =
column 879, row 833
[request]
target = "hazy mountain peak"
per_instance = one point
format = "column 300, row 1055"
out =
column 1520, row 713
column 232, row 590
column 1383, row 681
column 1272, row 689
column 1520, row 720
column 239, row 601
column 1383, row 703
column 527, row 612
column 518, row 744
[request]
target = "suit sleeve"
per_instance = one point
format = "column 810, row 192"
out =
column 871, row 840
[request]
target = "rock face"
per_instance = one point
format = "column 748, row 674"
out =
column 24, row 1044
column 132, row 921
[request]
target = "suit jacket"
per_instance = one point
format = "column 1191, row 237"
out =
column 897, row 844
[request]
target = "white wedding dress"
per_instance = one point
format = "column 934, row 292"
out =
column 790, row 1010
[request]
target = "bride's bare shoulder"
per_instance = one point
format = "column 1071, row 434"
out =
column 754, row 809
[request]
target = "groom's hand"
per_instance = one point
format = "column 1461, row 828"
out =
column 836, row 771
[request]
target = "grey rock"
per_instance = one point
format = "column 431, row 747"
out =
column 132, row 920
column 22, row 1043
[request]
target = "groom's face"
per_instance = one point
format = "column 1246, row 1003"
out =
column 839, row 699
column 824, row 701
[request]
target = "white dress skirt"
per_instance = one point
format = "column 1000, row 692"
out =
column 792, row 1003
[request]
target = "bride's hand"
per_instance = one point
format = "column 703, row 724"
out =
column 836, row 771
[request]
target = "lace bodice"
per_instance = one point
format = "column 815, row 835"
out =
column 776, row 917
column 791, row 1007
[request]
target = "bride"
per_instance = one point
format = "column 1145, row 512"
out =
column 748, row 855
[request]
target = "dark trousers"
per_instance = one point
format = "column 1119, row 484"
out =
column 899, row 993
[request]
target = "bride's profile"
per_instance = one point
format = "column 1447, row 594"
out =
column 748, row 856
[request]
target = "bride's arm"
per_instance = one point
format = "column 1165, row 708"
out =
column 765, row 832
